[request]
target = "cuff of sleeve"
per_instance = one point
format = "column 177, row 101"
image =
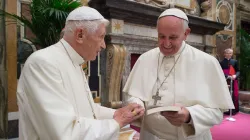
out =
column 117, row 125
column 112, row 112
column 189, row 128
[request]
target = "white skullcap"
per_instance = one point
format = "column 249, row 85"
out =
column 84, row 13
column 174, row 12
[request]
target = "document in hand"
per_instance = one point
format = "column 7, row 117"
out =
column 137, row 124
column 162, row 108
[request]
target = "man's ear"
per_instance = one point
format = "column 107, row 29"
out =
column 187, row 32
column 80, row 35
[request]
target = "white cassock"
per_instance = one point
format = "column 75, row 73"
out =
column 55, row 102
column 196, row 82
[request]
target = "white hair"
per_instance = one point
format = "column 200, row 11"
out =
column 228, row 50
column 91, row 26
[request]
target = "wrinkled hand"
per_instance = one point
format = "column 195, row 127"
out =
column 128, row 114
column 177, row 118
column 233, row 77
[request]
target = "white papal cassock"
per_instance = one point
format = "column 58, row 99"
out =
column 55, row 102
column 196, row 82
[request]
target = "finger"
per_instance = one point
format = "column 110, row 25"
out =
column 140, row 109
column 137, row 111
column 132, row 106
column 138, row 116
column 141, row 113
column 134, row 112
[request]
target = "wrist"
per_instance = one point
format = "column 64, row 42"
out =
column 119, row 122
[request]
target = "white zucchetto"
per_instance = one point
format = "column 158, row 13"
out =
column 174, row 12
column 84, row 13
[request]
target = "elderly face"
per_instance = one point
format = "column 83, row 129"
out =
column 92, row 43
column 228, row 54
column 171, row 34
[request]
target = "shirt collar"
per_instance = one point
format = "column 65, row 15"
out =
column 227, row 59
column 74, row 56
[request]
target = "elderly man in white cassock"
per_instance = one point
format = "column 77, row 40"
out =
column 54, row 99
column 178, row 75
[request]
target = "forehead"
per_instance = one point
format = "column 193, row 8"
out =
column 228, row 51
column 169, row 24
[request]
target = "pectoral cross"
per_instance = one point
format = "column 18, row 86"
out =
column 156, row 98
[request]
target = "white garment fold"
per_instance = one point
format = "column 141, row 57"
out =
column 53, row 102
column 197, row 82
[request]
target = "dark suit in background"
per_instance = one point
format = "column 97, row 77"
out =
column 225, row 65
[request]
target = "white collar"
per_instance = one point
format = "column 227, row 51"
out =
column 74, row 56
column 174, row 55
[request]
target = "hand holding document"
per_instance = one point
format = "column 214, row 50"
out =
column 162, row 109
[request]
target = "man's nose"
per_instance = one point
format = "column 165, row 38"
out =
column 167, row 42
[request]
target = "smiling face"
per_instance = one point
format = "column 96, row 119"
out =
column 90, row 44
column 171, row 34
column 228, row 53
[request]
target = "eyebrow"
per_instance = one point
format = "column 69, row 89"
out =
column 173, row 35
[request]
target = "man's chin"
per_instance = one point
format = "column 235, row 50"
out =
column 93, row 59
column 168, row 53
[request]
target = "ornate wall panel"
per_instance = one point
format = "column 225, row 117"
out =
column 225, row 13
column 223, row 41
column 115, row 66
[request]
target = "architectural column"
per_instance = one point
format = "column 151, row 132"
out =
column 112, row 66
column 11, row 49
column 11, row 63
column 3, row 78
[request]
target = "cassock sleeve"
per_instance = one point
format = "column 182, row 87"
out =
column 51, row 113
column 104, row 112
column 202, row 120
column 136, row 100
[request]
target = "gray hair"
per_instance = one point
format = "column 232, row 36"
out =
column 91, row 26
column 185, row 25
column 228, row 50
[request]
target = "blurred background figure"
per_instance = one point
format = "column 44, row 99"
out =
column 231, row 71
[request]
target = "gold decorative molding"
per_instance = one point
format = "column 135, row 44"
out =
column 115, row 66
column 206, row 7
column 225, row 14
column 183, row 4
column 157, row 3
column 116, row 26
column 11, row 49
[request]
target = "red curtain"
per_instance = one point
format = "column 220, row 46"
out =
column 134, row 58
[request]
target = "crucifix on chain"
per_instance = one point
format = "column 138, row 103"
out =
column 156, row 98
